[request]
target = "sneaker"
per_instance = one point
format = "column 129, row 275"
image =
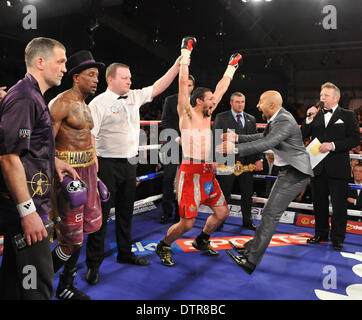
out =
column 205, row 246
column 66, row 290
column 164, row 252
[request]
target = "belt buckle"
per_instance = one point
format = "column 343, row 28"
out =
column 238, row 168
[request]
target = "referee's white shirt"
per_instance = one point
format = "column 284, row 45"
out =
column 117, row 122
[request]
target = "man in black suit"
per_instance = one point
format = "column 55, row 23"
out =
column 170, row 120
column 243, row 123
column 354, row 198
column 338, row 131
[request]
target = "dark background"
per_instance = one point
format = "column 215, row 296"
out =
column 283, row 43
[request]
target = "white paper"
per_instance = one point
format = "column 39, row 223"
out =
column 314, row 155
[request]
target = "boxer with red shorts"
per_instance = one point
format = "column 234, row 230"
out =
column 197, row 186
column 196, row 179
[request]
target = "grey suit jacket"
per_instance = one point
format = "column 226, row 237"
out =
column 284, row 139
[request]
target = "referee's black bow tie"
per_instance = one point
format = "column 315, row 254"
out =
column 327, row 110
column 122, row 97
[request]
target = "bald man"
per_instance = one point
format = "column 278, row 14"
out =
column 283, row 136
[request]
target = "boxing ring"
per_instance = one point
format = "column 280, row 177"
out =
column 291, row 268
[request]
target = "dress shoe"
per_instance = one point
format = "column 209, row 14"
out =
column 242, row 251
column 133, row 259
column 242, row 262
column 317, row 239
column 337, row 245
column 249, row 225
column 92, row 276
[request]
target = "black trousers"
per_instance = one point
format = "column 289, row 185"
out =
column 120, row 178
column 25, row 274
column 322, row 187
column 245, row 183
column 169, row 174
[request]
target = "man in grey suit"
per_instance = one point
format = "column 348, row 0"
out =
column 283, row 136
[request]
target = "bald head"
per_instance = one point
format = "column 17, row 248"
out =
column 272, row 96
column 269, row 103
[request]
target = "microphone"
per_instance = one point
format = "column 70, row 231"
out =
column 319, row 105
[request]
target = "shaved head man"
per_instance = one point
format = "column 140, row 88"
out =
column 283, row 136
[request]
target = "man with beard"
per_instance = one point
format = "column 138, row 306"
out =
column 72, row 123
column 197, row 184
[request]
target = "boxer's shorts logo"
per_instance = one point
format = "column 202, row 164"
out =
column 209, row 187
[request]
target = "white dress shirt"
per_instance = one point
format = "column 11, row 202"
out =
column 117, row 122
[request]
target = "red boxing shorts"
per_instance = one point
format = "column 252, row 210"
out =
column 84, row 219
column 197, row 186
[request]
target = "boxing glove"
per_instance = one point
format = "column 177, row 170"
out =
column 187, row 44
column 75, row 191
column 104, row 194
column 233, row 65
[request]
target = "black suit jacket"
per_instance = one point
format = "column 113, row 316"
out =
column 225, row 121
column 343, row 130
column 169, row 116
column 352, row 193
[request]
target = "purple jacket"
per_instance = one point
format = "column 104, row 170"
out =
column 26, row 128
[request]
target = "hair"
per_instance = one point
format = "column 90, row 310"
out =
column 112, row 69
column 331, row 85
column 236, row 94
column 198, row 93
column 192, row 79
column 41, row 46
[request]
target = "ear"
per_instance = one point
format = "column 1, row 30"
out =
column 199, row 101
column 39, row 63
column 75, row 77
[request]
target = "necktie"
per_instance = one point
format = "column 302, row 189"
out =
column 267, row 129
column 122, row 97
column 238, row 120
column 326, row 111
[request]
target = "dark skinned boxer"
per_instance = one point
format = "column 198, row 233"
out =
column 72, row 123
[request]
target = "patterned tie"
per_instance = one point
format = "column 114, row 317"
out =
column 238, row 120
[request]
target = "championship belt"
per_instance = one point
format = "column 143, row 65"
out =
column 237, row 169
column 83, row 158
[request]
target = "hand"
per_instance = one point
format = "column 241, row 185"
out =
column 229, row 136
column 325, row 147
column 225, row 147
column 2, row 92
column 258, row 165
column 33, row 228
column 61, row 166
column 312, row 111
column 351, row 200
